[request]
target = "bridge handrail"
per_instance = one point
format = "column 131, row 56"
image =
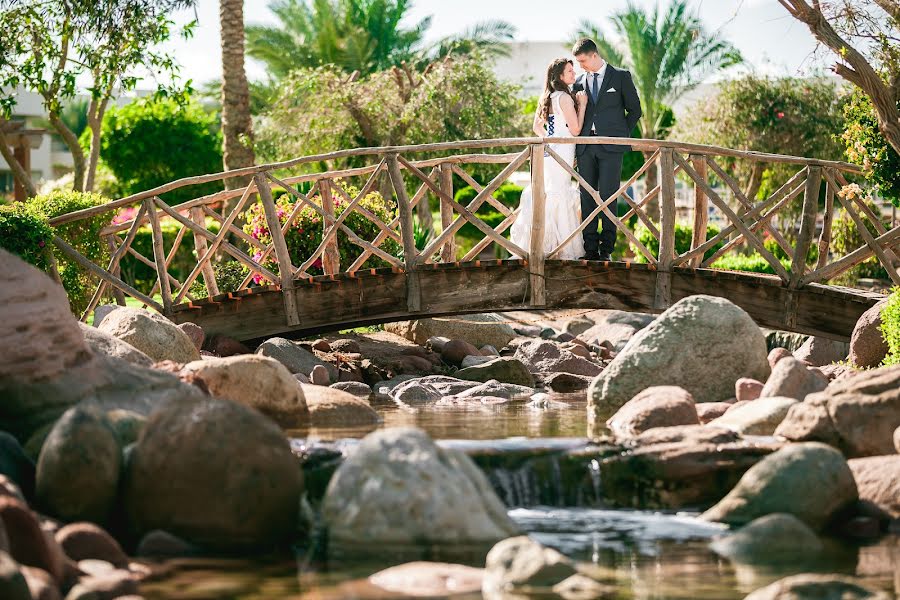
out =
column 748, row 219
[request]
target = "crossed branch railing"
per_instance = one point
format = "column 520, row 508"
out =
column 394, row 167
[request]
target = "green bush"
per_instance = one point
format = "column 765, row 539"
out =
column 750, row 263
column 845, row 238
column 508, row 194
column 305, row 234
column 772, row 246
column 890, row 327
column 683, row 236
column 25, row 234
column 83, row 235
column 865, row 145
column 229, row 276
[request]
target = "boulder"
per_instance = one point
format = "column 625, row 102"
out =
column 222, row 346
column 810, row 586
column 520, row 563
column 151, row 333
column 674, row 467
column 495, row 389
column 78, row 469
column 455, row 351
column 126, row 424
column 867, row 345
column 658, row 406
column 747, row 389
column 759, row 417
column 415, row 393
column 857, row 415
column 82, row 541
column 479, row 330
column 773, row 539
column 471, row 360
column 215, row 473
column 707, row 411
column 195, row 332
column 505, row 369
column 101, row 342
column 329, row 407
column 878, row 481
column 778, row 354
column 429, row 579
column 319, row 375
column 256, row 381
column 771, row 486
column 295, row 357
column 615, row 328
column 369, row 503
column 359, row 389
column 792, row 379
column 821, row 351
column 702, row 344
column 541, row 356
column 345, row 346
column 566, row 382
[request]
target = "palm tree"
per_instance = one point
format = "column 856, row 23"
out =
column 237, row 130
column 358, row 35
column 668, row 53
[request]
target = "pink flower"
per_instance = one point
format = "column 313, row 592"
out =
column 779, row 114
column 41, row 244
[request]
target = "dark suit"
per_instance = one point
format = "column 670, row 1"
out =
column 613, row 114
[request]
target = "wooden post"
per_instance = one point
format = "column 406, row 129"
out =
column 159, row 256
column 116, row 271
column 825, row 237
column 536, row 249
column 331, row 257
column 807, row 226
column 209, row 273
column 448, row 252
column 701, row 213
column 663, row 295
column 413, row 289
column 285, row 269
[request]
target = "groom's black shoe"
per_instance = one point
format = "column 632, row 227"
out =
column 590, row 256
column 604, row 257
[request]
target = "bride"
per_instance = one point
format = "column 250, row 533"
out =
column 560, row 113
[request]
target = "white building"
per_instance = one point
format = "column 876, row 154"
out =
column 527, row 64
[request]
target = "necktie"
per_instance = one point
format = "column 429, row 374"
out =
column 594, row 89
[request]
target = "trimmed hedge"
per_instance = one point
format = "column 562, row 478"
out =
column 683, row 236
column 508, row 194
column 890, row 327
column 750, row 263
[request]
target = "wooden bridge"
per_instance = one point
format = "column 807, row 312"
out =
column 284, row 294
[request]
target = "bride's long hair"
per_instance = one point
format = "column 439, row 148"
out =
column 554, row 83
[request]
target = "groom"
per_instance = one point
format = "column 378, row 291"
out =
column 613, row 110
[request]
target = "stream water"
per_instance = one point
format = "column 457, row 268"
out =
column 641, row 554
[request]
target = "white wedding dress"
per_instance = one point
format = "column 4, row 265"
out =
column 562, row 209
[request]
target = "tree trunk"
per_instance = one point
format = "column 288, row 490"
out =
column 78, row 160
column 19, row 173
column 95, row 119
column 754, row 181
column 237, row 130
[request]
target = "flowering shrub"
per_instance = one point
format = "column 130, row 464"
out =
column 865, row 145
column 25, row 234
column 229, row 276
column 305, row 233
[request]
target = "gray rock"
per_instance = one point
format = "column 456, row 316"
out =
column 356, row 388
column 319, row 375
column 867, row 345
column 329, row 407
column 810, row 586
column 368, row 503
column 702, row 344
column 101, row 311
column 566, row 382
column 520, row 563
column 151, row 333
column 437, row 343
column 504, row 368
column 548, row 357
column 195, row 332
column 616, row 328
column 792, row 379
column 820, row 351
column 878, row 481
column 215, row 473
column 478, row 330
column 771, row 486
column 126, row 424
column 757, row 417
column 455, row 351
column 78, row 470
column 101, row 342
column 415, row 393
column 773, row 539
column 295, row 357
column 256, row 381
column 857, row 415
column 345, row 346
column 472, row 360
column 493, row 388
column 659, row 406
column 488, row 350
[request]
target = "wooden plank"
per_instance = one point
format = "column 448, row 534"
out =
column 110, row 279
column 209, row 274
column 176, row 243
column 331, row 258
column 663, row 294
column 701, row 211
column 159, row 256
column 807, row 226
column 737, row 221
column 448, row 251
column 282, row 254
column 536, row 287
column 413, row 290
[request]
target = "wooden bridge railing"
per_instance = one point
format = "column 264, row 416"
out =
column 393, row 169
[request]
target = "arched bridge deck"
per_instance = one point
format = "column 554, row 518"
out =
column 340, row 248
